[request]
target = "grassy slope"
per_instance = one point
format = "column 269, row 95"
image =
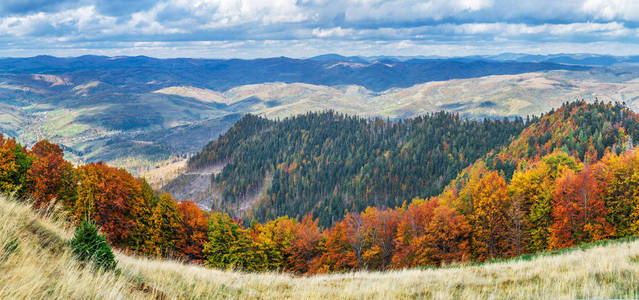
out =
column 35, row 263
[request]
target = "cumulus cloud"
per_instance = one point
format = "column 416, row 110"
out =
column 332, row 32
column 627, row 10
column 72, row 22
column 405, row 24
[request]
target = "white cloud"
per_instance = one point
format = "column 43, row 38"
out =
column 409, row 10
column 73, row 21
column 332, row 32
column 505, row 29
column 225, row 13
column 404, row 24
column 627, row 10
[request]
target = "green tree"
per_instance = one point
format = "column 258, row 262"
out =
column 229, row 245
column 165, row 223
column 90, row 246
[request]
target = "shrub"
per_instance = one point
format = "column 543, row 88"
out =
column 89, row 245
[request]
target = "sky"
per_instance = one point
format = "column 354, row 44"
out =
column 304, row 28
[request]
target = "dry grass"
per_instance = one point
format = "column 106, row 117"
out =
column 603, row 272
column 36, row 264
column 162, row 173
column 42, row 267
column 157, row 173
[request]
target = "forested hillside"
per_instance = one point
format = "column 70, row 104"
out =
column 568, row 191
column 328, row 164
column 564, row 191
column 584, row 131
column 579, row 129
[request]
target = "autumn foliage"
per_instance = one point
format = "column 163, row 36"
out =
column 192, row 232
column 554, row 198
column 14, row 164
column 128, row 212
column 50, row 175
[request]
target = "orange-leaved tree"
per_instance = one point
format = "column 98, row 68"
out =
column 337, row 252
column 379, row 228
column 446, row 239
column 304, row 251
column 411, row 226
column 488, row 219
column 50, row 176
column 579, row 211
column 110, row 197
column 194, row 230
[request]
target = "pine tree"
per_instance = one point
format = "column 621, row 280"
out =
column 90, row 246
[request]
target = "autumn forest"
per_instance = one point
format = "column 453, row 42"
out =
column 343, row 193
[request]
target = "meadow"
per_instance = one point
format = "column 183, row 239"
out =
column 36, row 263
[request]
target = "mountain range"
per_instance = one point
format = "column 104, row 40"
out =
column 583, row 59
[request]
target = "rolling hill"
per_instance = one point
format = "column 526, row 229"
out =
column 328, row 163
column 378, row 75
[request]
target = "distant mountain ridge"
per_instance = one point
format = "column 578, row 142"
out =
column 223, row 74
column 581, row 59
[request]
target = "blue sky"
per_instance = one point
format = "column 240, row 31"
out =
column 303, row 28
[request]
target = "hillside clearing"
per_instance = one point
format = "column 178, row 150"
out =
column 35, row 263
